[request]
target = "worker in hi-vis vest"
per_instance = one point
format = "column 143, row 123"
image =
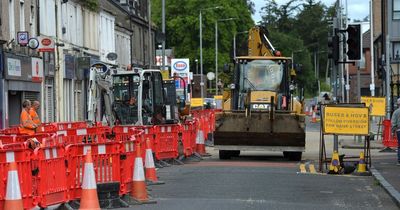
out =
column 27, row 126
column 33, row 113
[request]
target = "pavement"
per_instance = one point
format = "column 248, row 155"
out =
column 384, row 164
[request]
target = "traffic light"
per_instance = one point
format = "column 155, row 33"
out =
column 333, row 47
column 354, row 42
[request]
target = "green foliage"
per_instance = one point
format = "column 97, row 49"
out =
column 92, row 5
column 182, row 29
column 300, row 26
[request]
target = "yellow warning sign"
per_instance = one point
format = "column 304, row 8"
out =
column 165, row 74
column 378, row 105
column 196, row 102
column 218, row 97
column 346, row 120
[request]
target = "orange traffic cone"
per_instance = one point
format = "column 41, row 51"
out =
column 151, row 175
column 306, row 112
column 13, row 199
column 89, row 199
column 139, row 192
column 310, row 111
column 314, row 115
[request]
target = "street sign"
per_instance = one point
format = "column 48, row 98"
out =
column 378, row 105
column 346, row 120
column 33, row 43
column 22, row 38
column 196, row 102
column 46, row 44
column 210, row 75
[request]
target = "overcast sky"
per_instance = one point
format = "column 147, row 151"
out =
column 357, row 9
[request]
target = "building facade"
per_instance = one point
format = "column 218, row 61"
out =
column 80, row 36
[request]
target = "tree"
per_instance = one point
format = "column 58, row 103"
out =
column 291, row 29
column 182, row 28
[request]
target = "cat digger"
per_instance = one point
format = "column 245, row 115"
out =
column 261, row 113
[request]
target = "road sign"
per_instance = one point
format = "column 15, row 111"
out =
column 346, row 120
column 196, row 102
column 378, row 105
column 210, row 75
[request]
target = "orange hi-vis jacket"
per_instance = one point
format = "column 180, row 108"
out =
column 26, row 124
column 34, row 116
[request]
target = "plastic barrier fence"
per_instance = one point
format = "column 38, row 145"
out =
column 127, row 157
column 17, row 152
column 106, row 161
column 48, row 166
column 389, row 140
column 166, row 141
column 189, row 138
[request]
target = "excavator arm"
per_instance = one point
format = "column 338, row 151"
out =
column 259, row 44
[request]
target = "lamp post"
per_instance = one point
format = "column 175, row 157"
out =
column 234, row 42
column 216, row 51
column 197, row 65
column 201, row 52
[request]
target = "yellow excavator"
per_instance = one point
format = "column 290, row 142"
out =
column 260, row 112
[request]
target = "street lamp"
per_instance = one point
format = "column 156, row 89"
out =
column 234, row 42
column 197, row 65
column 216, row 51
column 201, row 52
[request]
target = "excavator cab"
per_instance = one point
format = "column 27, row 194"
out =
column 261, row 82
column 139, row 97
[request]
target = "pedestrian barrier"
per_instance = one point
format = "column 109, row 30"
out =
column 48, row 167
column 11, row 130
column 166, row 141
column 106, row 160
column 51, row 162
column 127, row 137
column 389, row 140
column 85, row 135
column 20, row 154
column 188, row 131
column 70, row 125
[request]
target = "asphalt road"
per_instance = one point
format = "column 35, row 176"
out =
column 261, row 182
column 266, row 181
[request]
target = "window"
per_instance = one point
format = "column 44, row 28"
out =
column 11, row 19
column 396, row 50
column 21, row 16
column 396, row 9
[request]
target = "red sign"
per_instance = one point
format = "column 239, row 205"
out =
column 45, row 44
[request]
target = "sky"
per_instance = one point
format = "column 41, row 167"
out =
column 357, row 9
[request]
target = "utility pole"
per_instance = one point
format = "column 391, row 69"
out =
column 149, row 48
column 163, row 31
column 388, row 77
column 371, row 19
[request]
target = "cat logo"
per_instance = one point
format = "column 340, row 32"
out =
column 260, row 106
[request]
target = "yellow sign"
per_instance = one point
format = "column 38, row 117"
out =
column 165, row 74
column 196, row 102
column 346, row 120
column 218, row 97
column 378, row 105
